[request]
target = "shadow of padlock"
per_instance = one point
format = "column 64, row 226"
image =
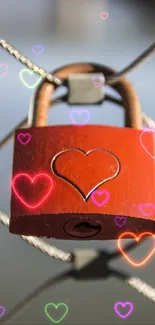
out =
column 58, row 171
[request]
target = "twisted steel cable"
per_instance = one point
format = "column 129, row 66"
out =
column 39, row 244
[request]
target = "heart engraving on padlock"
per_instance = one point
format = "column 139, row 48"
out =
column 112, row 169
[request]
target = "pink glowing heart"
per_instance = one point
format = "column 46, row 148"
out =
column 123, row 305
column 4, row 71
column 104, row 15
column 24, row 138
column 104, row 193
column 147, row 209
column 2, row 311
column 98, row 81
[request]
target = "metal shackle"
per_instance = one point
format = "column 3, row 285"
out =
column 42, row 99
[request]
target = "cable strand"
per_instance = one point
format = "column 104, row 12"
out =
column 134, row 64
column 45, row 75
column 39, row 244
column 30, row 64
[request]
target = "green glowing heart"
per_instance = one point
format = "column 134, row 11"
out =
column 31, row 73
column 56, row 306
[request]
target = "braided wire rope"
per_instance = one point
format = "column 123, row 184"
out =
column 45, row 75
column 39, row 244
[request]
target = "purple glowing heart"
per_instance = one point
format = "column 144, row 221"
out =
column 76, row 112
column 2, row 311
column 123, row 305
column 118, row 221
column 107, row 194
column 35, row 49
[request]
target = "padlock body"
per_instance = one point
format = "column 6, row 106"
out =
column 70, row 182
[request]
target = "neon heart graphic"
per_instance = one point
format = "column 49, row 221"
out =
column 30, row 73
column 32, row 180
column 112, row 172
column 100, row 193
column 146, row 209
column 35, row 49
column 2, row 311
column 127, row 234
column 5, row 71
column 24, row 138
column 146, row 206
column 79, row 112
column 98, row 81
column 123, row 305
column 118, row 221
column 141, row 141
column 56, row 307
column 104, row 15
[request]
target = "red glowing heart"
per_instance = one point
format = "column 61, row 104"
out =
column 29, row 184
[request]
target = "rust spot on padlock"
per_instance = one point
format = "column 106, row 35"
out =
column 82, row 227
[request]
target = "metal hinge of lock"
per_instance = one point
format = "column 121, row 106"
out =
column 85, row 88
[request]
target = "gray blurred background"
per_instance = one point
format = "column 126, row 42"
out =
column 71, row 31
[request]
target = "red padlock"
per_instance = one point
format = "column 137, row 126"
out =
column 60, row 175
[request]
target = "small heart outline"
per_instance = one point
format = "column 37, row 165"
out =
column 31, row 73
column 137, row 239
column 98, row 79
column 123, row 304
column 147, row 130
column 32, row 179
column 79, row 113
column 5, row 72
column 139, row 208
column 3, row 311
column 37, row 46
column 120, row 217
column 56, row 306
column 100, row 193
column 148, row 204
column 24, row 135
column 104, row 15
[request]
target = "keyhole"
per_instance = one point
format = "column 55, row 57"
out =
column 86, row 226
column 82, row 228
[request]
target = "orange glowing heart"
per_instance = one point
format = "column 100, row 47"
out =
column 126, row 234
